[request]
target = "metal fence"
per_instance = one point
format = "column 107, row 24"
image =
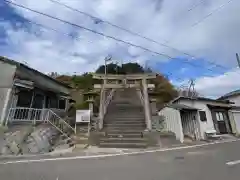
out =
column 21, row 114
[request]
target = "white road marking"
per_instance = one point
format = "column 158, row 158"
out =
column 113, row 155
column 231, row 163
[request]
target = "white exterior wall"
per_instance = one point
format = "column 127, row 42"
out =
column 202, row 106
column 173, row 122
column 236, row 118
column 7, row 72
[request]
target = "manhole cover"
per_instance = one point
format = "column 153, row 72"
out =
column 179, row 157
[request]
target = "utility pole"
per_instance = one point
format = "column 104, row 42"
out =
column 191, row 89
column 238, row 61
column 107, row 59
column 116, row 67
column 146, row 68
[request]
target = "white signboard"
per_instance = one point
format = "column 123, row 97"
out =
column 83, row 116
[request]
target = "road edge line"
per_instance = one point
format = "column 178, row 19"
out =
column 113, row 155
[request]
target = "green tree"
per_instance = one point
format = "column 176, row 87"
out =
column 128, row 68
column 111, row 69
column 164, row 90
column 132, row 68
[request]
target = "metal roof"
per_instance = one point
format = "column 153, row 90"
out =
column 180, row 107
column 233, row 93
column 18, row 64
column 202, row 99
column 228, row 106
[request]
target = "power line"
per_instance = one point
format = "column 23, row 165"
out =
column 192, row 7
column 98, row 20
column 78, row 38
column 87, row 29
column 211, row 13
column 102, row 34
column 196, row 5
column 57, row 31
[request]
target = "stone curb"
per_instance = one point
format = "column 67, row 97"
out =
column 5, row 157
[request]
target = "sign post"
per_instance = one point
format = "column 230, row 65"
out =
column 83, row 116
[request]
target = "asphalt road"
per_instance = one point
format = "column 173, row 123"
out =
column 200, row 163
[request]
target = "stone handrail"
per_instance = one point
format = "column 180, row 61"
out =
column 140, row 96
column 108, row 100
column 142, row 100
column 104, row 102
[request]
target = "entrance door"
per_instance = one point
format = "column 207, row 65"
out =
column 222, row 120
column 38, row 101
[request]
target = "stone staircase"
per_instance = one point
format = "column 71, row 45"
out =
column 124, row 121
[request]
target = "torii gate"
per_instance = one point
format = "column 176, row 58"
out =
column 115, row 81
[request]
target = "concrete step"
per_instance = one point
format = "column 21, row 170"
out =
column 123, row 131
column 124, row 107
column 123, row 145
column 114, row 111
column 121, row 117
column 125, row 126
column 125, row 112
column 125, row 135
column 124, row 117
column 125, row 123
column 122, row 140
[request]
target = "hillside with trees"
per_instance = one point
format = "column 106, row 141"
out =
column 164, row 90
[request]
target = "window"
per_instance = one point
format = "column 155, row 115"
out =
column 24, row 98
column 53, row 102
column 62, row 104
column 203, row 117
column 219, row 116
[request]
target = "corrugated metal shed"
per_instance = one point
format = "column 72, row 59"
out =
column 172, row 119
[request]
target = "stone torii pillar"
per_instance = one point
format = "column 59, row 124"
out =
column 146, row 104
column 126, row 80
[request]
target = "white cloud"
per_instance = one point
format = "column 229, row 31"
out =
column 216, row 38
column 219, row 85
column 183, row 70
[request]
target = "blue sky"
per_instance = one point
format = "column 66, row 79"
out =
column 215, row 39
